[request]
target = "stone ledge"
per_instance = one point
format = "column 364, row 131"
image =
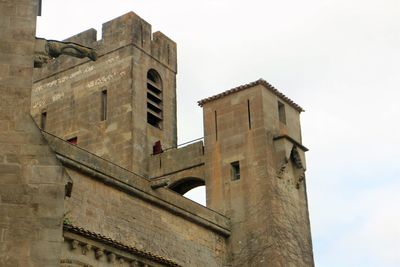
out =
column 291, row 140
column 133, row 184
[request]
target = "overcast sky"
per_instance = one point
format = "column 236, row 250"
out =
column 338, row 59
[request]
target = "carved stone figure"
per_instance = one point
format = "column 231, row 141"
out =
column 45, row 50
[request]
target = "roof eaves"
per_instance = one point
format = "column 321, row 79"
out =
column 106, row 240
column 249, row 85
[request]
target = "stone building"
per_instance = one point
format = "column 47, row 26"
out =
column 90, row 171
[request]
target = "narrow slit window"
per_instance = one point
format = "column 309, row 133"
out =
column 281, row 112
column 216, row 125
column 235, row 171
column 142, row 34
column 43, row 120
column 248, row 113
column 104, row 103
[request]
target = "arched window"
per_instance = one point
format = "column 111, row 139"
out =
column 154, row 99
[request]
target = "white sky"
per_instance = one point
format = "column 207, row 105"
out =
column 338, row 59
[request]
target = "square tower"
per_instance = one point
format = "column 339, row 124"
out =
column 118, row 106
column 254, row 164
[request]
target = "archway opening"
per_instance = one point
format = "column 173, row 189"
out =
column 197, row 194
column 192, row 188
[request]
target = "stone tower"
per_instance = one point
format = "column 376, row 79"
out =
column 118, row 106
column 31, row 179
column 254, row 165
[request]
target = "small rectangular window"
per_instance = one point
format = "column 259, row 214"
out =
column 235, row 171
column 73, row 140
column 43, row 118
column 103, row 105
column 282, row 113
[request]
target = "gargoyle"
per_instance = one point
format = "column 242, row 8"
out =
column 46, row 50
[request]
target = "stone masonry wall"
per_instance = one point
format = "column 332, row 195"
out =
column 69, row 91
column 267, row 205
column 31, row 179
column 72, row 102
column 132, row 221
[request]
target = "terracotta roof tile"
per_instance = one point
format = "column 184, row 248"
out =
column 249, row 85
column 106, row 240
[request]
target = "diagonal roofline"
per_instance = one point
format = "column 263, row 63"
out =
column 67, row 227
column 249, row 85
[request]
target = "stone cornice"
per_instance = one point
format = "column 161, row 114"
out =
column 69, row 228
column 287, row 137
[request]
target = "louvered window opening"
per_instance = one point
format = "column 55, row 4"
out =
column 154, row 99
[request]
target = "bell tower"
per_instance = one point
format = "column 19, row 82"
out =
column 255, row 169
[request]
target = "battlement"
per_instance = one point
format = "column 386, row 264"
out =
column 132, row 29
column 128, row 29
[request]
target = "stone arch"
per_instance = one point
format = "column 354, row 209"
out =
column 154, row 77
column 185, row 184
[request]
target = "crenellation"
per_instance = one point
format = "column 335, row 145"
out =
column 164, row 49
column 86, row 38
column 126, row 30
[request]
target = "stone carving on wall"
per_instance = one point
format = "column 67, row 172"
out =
column 46, row 50
column 300, row 173
column 295, row 156
column 282, row 168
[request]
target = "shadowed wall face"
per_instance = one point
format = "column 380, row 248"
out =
column 31, row 181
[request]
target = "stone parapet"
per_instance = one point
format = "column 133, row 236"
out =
column 176, row 160
column 126, row 30
column 133, row 184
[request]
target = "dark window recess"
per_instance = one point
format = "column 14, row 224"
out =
column 73, row 140
column 235, row 171
column 281, row 112
column 157, row 149
column 103, row 110
column 43, row 120
column 154, row 99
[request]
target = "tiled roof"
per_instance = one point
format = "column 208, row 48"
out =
column 106, row 240
column 249, row 85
